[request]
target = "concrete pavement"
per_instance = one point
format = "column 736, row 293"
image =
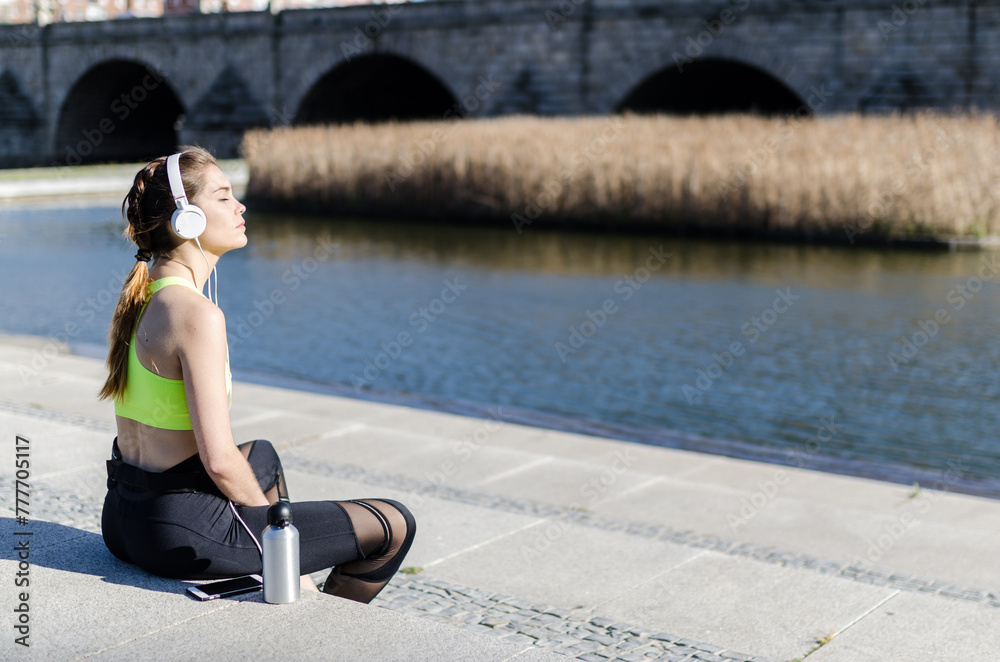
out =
column 532, row 544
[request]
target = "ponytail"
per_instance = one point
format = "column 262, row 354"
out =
column 147, row 209
column 124, row 320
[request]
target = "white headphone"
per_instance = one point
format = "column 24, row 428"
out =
column 188, row 220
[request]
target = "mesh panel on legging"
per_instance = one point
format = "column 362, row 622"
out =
column 266, row 467
column 385, row 531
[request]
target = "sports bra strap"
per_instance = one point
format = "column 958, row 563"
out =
column 160, row 283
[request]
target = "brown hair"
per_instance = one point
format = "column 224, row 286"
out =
column 147, row 209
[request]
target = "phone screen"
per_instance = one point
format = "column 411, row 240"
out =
column 226, row 587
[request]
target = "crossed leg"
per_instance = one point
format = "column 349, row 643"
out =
column 385, row 530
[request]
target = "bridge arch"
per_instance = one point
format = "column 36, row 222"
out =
column 709, row 86
column 118, row 110
column 375, row 87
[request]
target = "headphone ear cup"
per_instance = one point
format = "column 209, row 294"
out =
column 188, row 222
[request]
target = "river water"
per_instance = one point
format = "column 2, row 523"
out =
column 874, row 362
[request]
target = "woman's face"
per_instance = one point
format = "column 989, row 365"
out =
column 226, row 228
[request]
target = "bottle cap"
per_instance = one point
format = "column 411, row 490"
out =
column 279, row 514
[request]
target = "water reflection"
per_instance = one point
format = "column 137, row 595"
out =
column 598, row 253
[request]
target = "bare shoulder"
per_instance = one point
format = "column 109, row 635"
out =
column 191, row 320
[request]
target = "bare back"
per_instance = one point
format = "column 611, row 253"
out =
column 160, row 342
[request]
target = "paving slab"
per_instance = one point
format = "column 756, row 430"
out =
column 563, row 564
column 55, row 446
column 569, row 445
column 74, row 394
column 313, row 404
column 493, row 426
column 742, row 604
column 668, row 462
column 748, row 476
column 902, row 540
column 678, row 503
column 570, row 483
column 306, row 486
column 374, row 448
column 918, row 627
column 282, row 428
column 895, row 534
column 462, row 464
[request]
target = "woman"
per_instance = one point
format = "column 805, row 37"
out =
column 183, row 499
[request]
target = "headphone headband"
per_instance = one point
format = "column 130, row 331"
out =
column 176, row 182
column 187, row 221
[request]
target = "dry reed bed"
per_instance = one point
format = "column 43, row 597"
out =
column 877, row 176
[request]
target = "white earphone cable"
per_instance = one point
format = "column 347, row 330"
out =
column 247, row 528
column 208, row 281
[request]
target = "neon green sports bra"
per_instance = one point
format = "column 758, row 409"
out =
column 149, row 398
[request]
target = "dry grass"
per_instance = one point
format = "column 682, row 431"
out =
column 914, row 175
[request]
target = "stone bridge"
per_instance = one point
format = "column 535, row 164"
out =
column 135, row 88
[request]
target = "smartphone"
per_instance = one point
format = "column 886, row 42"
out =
column 226, row 588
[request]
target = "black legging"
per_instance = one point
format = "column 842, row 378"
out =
column 203, row 535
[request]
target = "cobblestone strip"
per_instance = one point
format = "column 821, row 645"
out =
column 873, row 576
column 583, row 637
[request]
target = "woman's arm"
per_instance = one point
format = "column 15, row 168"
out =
column 202, row 353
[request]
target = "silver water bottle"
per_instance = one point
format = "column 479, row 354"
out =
column 280, row 548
